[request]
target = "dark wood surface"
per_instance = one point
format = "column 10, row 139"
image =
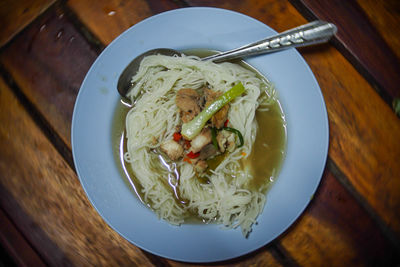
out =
column 47, row 48
column 360, row 41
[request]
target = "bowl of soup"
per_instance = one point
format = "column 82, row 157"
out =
column 252, row 188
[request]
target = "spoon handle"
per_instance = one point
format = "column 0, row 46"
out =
column 308, row 34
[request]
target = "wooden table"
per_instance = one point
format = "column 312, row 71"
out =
column 48, row 46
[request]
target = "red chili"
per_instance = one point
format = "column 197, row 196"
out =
column 226, row 123
column 193, row 155
column 177, row 136
column 187, row 160
column 187, row 144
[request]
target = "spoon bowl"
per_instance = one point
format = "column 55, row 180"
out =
column 125, row 79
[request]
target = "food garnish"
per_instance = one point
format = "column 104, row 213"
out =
column 192, row 128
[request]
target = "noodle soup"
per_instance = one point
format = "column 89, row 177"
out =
column 258, row 169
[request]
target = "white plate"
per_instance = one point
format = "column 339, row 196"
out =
column 207, row 28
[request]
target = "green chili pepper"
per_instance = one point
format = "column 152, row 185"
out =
column 214, row 137
column 237, row 132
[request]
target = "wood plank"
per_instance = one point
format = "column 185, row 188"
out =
column 335, row 228
column 385, row 16
column 108, row 19
column 48, row 62
column 16, row 245
column 280, row 15
column 44, row 198
column 360, row 41
column 16, row 14
column 324, row 77
column 261, row 257
column 364, row 134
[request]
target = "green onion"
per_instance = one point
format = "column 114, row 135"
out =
column 193, row 127
column 237, row 132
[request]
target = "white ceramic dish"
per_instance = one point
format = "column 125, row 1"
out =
column 190, row 28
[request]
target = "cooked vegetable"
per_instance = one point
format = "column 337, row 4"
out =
column 218, row 119
column 226, row 123
column 187, row 160
column 232, row 130
column 193, row 155
column 214, row 137
column 193, row 127
column 177, row 136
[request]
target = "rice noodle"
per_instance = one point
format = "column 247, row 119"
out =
column 152, row 120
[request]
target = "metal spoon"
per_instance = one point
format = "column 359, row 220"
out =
column 315, row 32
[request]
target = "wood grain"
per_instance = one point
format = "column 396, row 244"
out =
column 385, row 16
column 279, row 15
column 45, row 199
column 16, row 245
column 358, row 37
column 108, row 19
column 261, row 257
column 335, row 226
column 363, row 129
column 48, row 62
column 16, row 14
column 364, row 134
